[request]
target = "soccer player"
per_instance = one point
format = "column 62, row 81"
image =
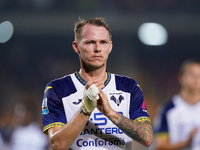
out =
column 93, row 108
column 179, row 126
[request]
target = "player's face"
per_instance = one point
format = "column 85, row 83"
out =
column 191, row 77
column 94, row 47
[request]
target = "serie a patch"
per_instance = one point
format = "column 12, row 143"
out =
column 45, row 109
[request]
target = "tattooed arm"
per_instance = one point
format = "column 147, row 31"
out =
column 138, row 131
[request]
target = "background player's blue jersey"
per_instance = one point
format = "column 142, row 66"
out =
column 63, row 98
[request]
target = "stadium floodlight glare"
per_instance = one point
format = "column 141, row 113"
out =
column 6, row 31
column 152, row 34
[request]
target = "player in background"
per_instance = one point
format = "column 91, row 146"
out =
column 92, row 108
column 179, row 123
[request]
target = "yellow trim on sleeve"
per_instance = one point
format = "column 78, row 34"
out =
column 48, row 87
column 139, row 119
column 162, row 136
column 55, row 124
column 139, row 87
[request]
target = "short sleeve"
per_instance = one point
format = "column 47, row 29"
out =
column 138, row 110
column 161, row 122
column 53, row 114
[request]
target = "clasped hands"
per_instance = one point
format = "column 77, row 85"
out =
column 93, row 89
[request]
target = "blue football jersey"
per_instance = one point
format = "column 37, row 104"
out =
column 63, row 98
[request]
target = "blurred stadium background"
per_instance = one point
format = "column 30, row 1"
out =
column 40, row 49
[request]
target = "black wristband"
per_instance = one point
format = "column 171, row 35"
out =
column 84, row 112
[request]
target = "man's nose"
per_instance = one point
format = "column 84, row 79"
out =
column 97, row 47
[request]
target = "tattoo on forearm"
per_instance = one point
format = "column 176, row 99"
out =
column 139, row 131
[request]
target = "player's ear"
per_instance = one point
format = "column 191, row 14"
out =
column 75, row 47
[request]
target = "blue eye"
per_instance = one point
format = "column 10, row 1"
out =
column 90, row 42
column 103, row 42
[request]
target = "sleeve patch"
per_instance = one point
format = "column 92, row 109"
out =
column 45, row 109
